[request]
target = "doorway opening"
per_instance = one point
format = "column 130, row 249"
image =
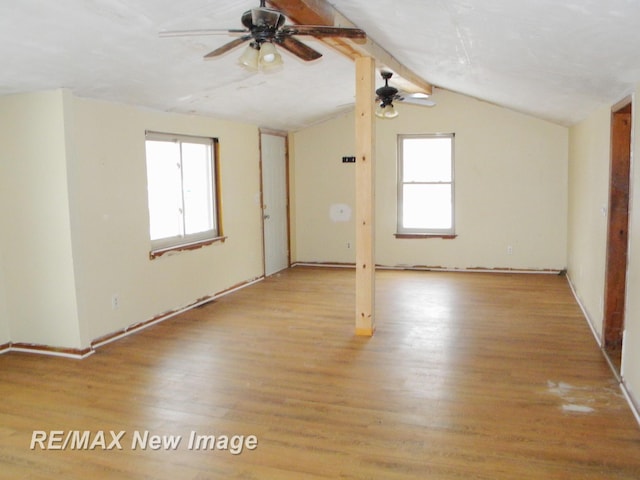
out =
column 617, row 233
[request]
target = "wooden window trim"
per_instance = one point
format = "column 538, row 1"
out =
column 424, row 236
column 189, row 246
column 196, row 243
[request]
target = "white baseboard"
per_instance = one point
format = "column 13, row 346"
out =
column 633, row 405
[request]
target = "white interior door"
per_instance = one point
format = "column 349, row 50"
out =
column 274, row 203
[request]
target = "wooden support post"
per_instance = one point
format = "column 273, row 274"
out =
column 365, row 198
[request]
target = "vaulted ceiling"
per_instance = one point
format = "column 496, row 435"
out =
column 555, row 60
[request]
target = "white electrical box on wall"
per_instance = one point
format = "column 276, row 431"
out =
column 340, row 212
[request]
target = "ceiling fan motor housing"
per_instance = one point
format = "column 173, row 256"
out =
column 263, row 23
column 387, row 94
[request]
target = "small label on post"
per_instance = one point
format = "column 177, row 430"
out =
column 348, row 159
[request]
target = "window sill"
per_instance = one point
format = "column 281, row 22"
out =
column 190, row 246
column 423, row 235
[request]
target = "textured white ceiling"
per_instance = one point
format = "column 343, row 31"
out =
column 558, row 60
column 555, row 60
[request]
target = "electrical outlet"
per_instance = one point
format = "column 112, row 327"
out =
column 115, row 301
column 348, row 244
column 509, row 250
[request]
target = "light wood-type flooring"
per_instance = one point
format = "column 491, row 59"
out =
column 468, row 376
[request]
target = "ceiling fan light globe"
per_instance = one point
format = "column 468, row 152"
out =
column 269, row 56
column 386, row 112
column 249, row 58
column 390, row 112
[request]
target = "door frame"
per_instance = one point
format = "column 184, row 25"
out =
column 285, row 135
column 617, row 230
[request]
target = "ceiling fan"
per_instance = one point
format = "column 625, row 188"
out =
column 265, row 28
column 387, row 94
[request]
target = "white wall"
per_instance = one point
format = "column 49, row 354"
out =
column 35, row 234
column 511, row 188
column 631, row 346
column 74, row 219
column 589, row 158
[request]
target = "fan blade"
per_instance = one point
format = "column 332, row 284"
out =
column 227, row 46
column 416, row 99
column 324, row 31
column 298, row 48
column 209, row 31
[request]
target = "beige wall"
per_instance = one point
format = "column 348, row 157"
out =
column 35, row 234
column 81, row 232
column 111, row 224
column 588, row 203
column 5, row 335
column 631, row 346
column 511, row 177
column 589, row 164
column 319, row 180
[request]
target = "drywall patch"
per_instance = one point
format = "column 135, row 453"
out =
column 340, row 212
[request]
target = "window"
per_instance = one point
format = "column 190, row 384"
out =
column 425, row 185
column 182, row 190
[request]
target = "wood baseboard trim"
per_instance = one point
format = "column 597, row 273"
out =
column 427, row 268
column 324, row 264
column 136, row 327
column 76, row 353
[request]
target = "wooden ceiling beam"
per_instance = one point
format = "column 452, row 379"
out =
column 320, row 12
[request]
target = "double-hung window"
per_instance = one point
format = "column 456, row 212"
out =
column 425, row 185
column 182, row 190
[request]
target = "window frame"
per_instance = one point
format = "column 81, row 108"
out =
column 192, row 241
column 404, row 232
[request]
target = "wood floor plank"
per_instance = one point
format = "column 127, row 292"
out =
column 469, row 376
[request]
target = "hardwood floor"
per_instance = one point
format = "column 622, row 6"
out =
column 468, row 376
